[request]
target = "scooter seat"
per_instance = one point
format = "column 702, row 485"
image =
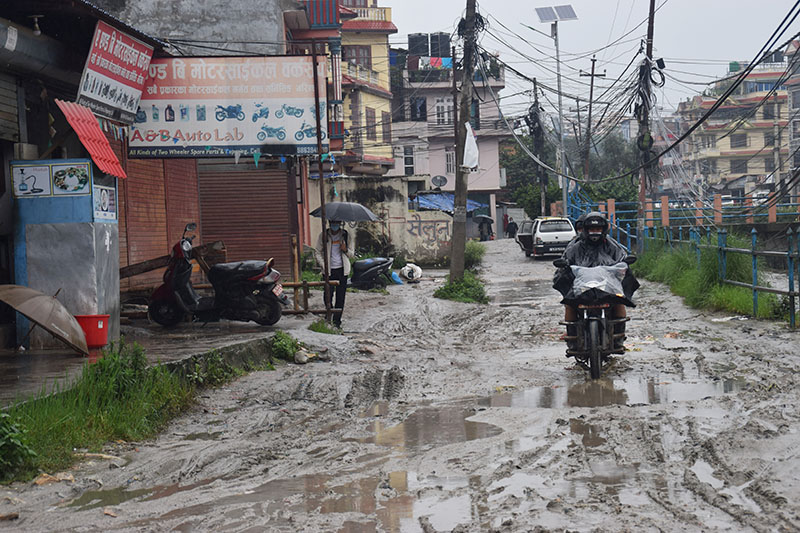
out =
column 225, row 272
column 363, row 265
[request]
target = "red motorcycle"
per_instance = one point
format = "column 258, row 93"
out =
column 244, row 291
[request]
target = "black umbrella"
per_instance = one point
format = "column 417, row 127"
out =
column 478, row 218
column 345, row 212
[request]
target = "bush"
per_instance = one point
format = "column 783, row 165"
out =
column 14, row 450
column 322, row 326
column 473, row 255
column 469, row 289
column 283, row 346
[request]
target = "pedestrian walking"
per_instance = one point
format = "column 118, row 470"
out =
column 511, row 229
column 340, row 248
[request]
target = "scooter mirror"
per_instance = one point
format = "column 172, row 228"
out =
column 629, row 260
column 560, row 263
column 191, row 226
column 270, row 262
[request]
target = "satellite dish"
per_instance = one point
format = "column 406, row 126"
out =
column 439, row 181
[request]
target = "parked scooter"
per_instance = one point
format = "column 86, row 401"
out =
column 267, row 131
column 306, row 130
column 595, row 329
column 262, row 111
column 245, row 290
column 231, row 111
column 290, row 111
column 371, row 273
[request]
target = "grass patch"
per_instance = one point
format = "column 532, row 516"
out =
column 469, row 289
column 117, row 398
column 283, row 346
column 322, row 326
column 473, row 254
column 702, row 287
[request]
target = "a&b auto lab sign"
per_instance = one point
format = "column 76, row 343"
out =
column 115, row 73
column 224, row 106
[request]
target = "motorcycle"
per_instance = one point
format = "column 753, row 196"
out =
column 289, row 110
column 231, row 111
column 595, row 290
column 307, row 130
column 371, row 273
column 267, row 131
column 245, row 290
column 262, row 111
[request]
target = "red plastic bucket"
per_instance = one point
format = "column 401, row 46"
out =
column 96, row 329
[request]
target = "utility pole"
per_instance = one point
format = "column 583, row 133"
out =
column 459, row 239
column 560, row 162
column 645, row 141
column 589, row 120
column 537, row 135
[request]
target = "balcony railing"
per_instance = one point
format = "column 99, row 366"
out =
column 374, row 13
column 363, row 73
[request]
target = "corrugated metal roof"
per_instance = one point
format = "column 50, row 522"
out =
column 369, row 25
column 92, row 137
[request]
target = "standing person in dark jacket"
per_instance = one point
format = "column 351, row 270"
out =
column 511, row 229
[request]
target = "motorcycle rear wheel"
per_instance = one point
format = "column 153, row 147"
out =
column 595, row 359
column 273, row 313
column 164, row 313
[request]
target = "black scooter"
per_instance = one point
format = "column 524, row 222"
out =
column 245, row 290
column 371, row 273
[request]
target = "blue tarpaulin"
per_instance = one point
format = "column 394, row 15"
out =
column 442, row 201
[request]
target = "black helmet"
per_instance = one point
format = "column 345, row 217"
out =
column 595, row 220
column 579, row 222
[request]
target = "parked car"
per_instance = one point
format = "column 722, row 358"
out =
column 545, row 235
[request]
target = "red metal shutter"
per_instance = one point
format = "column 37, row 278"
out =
column 249, row 209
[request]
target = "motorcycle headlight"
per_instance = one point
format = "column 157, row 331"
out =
column 186, row 246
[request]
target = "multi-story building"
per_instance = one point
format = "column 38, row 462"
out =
column 743, row 146
column 367, row 93
column 423, row 132
column 793, row 88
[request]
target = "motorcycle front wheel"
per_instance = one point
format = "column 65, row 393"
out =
column 220, row 115
column 240, row 115
column 164, row 313
column 272, row 313
column 595, row 359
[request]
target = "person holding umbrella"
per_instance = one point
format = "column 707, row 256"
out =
column 340, row 247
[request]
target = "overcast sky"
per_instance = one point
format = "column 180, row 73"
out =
column 696, row 38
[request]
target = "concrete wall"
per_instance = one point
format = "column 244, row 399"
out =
column 422, row 236
column 235, row 20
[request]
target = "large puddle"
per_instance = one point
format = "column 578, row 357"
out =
column 603, row 392
column 521, row 293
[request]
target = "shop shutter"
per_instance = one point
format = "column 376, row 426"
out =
column 249, row 210
column 9, row 121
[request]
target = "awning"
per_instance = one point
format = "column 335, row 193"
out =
column 92, row 137
column 443, row 201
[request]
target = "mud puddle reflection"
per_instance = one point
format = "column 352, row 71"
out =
column 603, row 392
column 521, row 293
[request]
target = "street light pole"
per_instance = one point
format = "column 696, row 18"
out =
column 560, row 163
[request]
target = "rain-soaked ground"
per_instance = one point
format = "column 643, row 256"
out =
column 438, row 416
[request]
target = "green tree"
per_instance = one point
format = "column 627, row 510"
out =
column 521, row 175
column 615, row 157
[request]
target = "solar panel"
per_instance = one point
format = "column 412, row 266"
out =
column 546, row 14
column 566, row 13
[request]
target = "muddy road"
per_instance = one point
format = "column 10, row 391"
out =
column 436, row 416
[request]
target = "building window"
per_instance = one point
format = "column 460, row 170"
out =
column 796, row 160
column 769, row 139
column 372, row 132
column 359, row 55
column 769, row 164
column 444, row 111
column 419, row 110
column 450, row 161
column 795, row 98
column 769, row 111
column 355, row 3
column 738, row 166
column 796, row 129
column 408, row 160
column 386, row 127
column 739, row 140
column 475, row 115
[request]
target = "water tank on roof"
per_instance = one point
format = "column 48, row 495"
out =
column 440, row 44
column 733, row 66
column 418, row 44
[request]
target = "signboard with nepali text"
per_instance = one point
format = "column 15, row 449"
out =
column 228, row 107
column 115, row 73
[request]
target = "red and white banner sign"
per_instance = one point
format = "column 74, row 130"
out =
column 115, row 73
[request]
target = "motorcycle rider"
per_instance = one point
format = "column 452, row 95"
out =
column 593, row 248
column 340, row 247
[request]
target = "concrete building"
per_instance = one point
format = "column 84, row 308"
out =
column 743, row 146
column 423, row 129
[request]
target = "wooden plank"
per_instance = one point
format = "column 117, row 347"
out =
column 158, row 262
